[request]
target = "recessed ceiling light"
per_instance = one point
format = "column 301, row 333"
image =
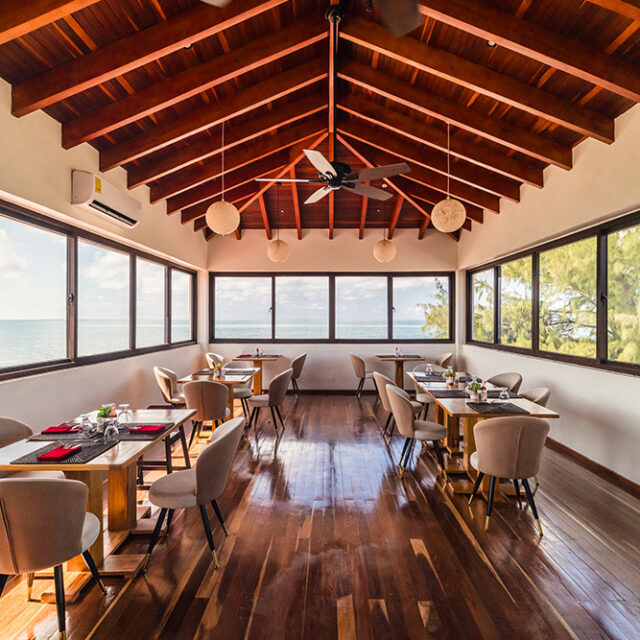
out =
column 491, row 43
column 384, row 185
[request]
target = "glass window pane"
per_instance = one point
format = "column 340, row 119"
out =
column 361, row 308
column 623, row 333
column 103, row 300
column 483, row 294
column 568, row 299
column 33, row 294
column 243, row 307
column 516, row 280
column 302, row 307
column 421, row 308
column 150, row 300
column 180, row 306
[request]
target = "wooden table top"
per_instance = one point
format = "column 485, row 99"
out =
column 120, row 456
column 395, row 358
column 231, row 377
column 254, row 358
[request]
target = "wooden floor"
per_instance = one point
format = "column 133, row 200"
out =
column 327, row 541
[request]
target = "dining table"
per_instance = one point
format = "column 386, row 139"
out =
column 399, row 360
column 257, row 360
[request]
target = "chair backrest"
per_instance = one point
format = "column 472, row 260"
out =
column 41, row 523
column 214, row 359
column 13, row 430
column 208, row 398
column 539, row 395
column 510, row 447
column 278, row 387
column 402, row 410
column 215, row 460
column 445, row 360
column 511, row 380
column 167, row 381
column 358, row 365
column 296, row 364
column 381, row 384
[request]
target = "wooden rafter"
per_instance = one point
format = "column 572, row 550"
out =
column 263, row 213
column 482, row 79
column 465, row 117
column 19, row 17
column 194, row 80
column 539, row 43
column 628, row 8
column 296, row 202
column 363, row 216
column 423, row 228
column 395, row 215
column 131, row 52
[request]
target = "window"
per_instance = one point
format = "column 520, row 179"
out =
column 243, row 308
column 302, row 307
column 150, row 303
column 33, row 295
column 516, row 280
column 103, row 300
column 421, row 308
column 361, row 308
column 483, row 297
column 181, row 296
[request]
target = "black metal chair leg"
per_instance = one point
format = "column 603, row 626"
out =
column 438, row 450
column 492, row 490
column 527, row 489
column 169, row 520
column 154, row 537
column 255, row 421
column 252, row 416
column 426, row 410
column 59, row 584
column 185, row 448
column 386, row 424
column 194, row 428
column 393, row 428
column 275, row 420
column 360, row 385
column 517, row 488
column 207, row 530
column 476, row 486
column 216, row 508
column 404, row 450
column 88, row 558
column 279, row 416
column 3, row 581
column 167, row 453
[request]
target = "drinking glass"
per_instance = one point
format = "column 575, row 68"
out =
column 504, row 393
column 88, row 428
column 429, row 368
column 124, row 414
column 111, row 432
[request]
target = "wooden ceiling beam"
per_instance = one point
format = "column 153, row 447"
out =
column 263, row 213
column 480, row 78
column 198, row 173
column 467, row 118
column 19, row 17
column 628, row 8
column 131, row 52
column 395, row 216
column 423, row 228
column 435, row 137
column 296, row 202
column 212, row 114
column 162, row 162
column 539, row 43
column 431, row 158
column 363, row 216
column 192, row 81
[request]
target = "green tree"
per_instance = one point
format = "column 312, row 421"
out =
column 515, row 303
column 436, row 312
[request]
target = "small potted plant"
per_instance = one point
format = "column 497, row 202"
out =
column 450, row 377
column 217, row 370
column 475, row 390
column 104, row 417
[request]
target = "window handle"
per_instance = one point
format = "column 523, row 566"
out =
column 603, row 298
column 71, row 298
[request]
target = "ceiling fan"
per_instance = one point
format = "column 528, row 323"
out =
column 337, row 175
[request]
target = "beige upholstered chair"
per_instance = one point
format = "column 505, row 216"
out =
column 361, row 372
column 199, row 486
column 273, row 399
column 241, row 391
column 382, row 382
column 539, row 395
column 510, row 380
column 168, row 382
column 508, row 448
column 44, row 523
column 11, row 431
column 209, row 399
column 214, row 359
column 445, row 360
column 412, row 429
column 296, row 365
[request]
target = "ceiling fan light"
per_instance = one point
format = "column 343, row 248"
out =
column 384, row 251
column 278, row 251
column 448, row 215
column 223, row 217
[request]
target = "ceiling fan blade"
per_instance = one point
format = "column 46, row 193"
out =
column 318, row 195
column 400, row 16
column 366, row 191
column 322, row 165
column 386, row 171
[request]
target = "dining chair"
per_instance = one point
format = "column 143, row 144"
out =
column 445, row 360
column 273, row 399
column 412, row 429
column 43, row 523
column 511, row 381
column 168, row 382
column 214, row 359
column 361, row 372
column 382, row 382
column 241, row 391
column 199, row 486
column 539, row 395
column 209, row 399
column 509, row 447
column 421, row 397
column 296, row 365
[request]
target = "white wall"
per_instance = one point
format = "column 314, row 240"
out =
column 598, row 409
column 328, row 365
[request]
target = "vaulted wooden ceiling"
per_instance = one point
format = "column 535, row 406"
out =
column 149, row 83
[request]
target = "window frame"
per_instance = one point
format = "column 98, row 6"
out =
column 450, row 275
column 73, row 234
column 598, row 231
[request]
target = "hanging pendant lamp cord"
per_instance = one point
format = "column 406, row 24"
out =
column 223, row 160
column 448, row 157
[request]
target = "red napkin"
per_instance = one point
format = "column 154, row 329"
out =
column 245, row 355
column 148, row 428
column 63, row 428
column 59, row 453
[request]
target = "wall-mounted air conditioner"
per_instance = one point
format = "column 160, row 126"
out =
column 91, row 192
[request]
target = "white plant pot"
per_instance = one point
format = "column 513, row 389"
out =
column 474, row 396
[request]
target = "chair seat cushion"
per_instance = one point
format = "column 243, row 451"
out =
column 423, row 398
column 474, row 459
column 42, row 475
column 427, row 430
column 90, row 530
column 242, row 393
column 179, row 399
column 368, row 374
column 259, row 401
column 174, row 491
